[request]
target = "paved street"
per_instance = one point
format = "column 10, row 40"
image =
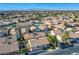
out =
column 67, row 51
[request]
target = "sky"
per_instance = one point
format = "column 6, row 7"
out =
column 26, row 6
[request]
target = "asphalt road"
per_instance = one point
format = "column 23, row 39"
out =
column 66, row 51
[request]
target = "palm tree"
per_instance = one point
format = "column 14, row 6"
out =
column 53, row 40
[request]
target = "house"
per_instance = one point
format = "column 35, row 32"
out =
column 8, row 44
column 56, row 22
column 43, row 27
column 36, row 35
column 22, row 20
column 23, row 30
column 37, row 45
column 74, row 35
column 77, row 28
column 12, row 31
column 26, row 24
column 39, row 34
column 58, row 34
column 8, row 39
column 32, row 28
column 31, row 35
column 28, row 36
column 11, row 38
column 2, row 40
column 74, row 38
column 46, row 21
column 11, row 48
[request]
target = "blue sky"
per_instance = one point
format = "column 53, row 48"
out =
column 54, row 6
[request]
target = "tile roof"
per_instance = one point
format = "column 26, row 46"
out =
column 38, row 42
column 74, row 35
column 9, row 48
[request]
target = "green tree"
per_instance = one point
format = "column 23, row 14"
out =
column 65, row 36
column 53, row 40
column 74, row 20
column 73, row 29
column 65, row 23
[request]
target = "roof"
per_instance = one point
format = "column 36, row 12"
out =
column 38, row 42
column 42, row 27
column 34, row 35
column 23, row 30
column 57, row 32
column 28, row 35
column 2, row 39
column 32, row 28
column 24, row 24
column 77, row 28
column 9, row 48
column 40, row 34
column 6, row 39
column 31, row 35
column 11, row 38
column 74, row 35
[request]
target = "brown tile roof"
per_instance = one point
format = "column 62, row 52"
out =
column 40, row 34
column 12, row 38
column 2, row 39
column 77, row 28
column 9, row 48
column 57, row 32
column 32, row 28
column 74, row 35
column 6, row 39
column 38, row 42
column 28, row 36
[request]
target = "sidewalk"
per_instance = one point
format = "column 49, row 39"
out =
column 50, row 50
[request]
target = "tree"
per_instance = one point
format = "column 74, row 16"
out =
column 74, row 20
column 53, row 40
column 65, row 23
column 73, row 29
column 65, row 36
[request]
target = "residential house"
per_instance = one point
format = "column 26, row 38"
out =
column 8, row 44
column 58, row 34
column 39, row 34
column 23, row 30
column 74, row 35
column 32, row 28
column 11, row 48
column 46, row 21
column 12, row 31
column 37, row 45
column 26, row 24
column 43, row 27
